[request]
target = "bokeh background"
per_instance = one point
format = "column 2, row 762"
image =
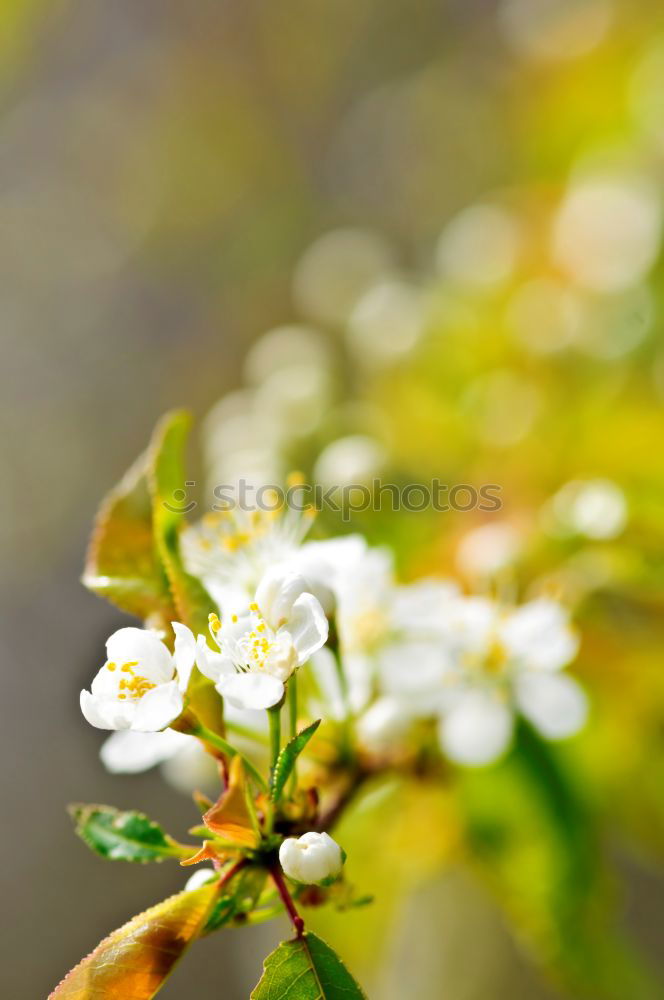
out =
column 488, row 309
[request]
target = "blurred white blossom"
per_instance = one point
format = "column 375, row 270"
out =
column 555, row 29
column 595, row 508
column 606, row 235
column 336, row 270
column 479, row 247
column 488, row 549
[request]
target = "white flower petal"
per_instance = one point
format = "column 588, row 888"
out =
column 422, row 606
column 469, row 623
column 359, row 670
column 105, row 683
column 539, row 635
column 276, row 594
column 414, row 672
column 106, row 713
column 318, row 575
column 212, row 665
column 130, row 752
column 555, row 703
column 191, row 768
column 308, row 626
column 477, row 729
column 311, row 858
column 326, row 676
column 144, row 646
column 158, row 707
column 185, row 652
column 254, row 720
column 384, row 725
column 200, row 877
column 251, row 690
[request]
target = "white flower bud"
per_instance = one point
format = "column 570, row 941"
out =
column 312, row 859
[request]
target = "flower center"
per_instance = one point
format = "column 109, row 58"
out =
column 496, row 660
column 366, row 629
column 258, row 647
column 131, row 685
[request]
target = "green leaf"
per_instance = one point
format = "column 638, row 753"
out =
column 123, row 563
column 193, row 604
column 134, row 557
column 287, row 757
column 306, row 969
column 166, row 475
column 124, row 836
column 238, row 899
column 135, row 960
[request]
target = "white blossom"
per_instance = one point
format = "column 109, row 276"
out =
column 504, row 662
column 131, row 752
column 488, row 549
column 373, row 615
column 138, row 687
column 312, row 859
column 477, row 728
column 479, row 664
column 383, row 726
column 261, row 646
column 231, row 551
column 180, row 755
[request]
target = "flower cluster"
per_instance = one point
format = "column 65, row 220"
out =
column 381, row 658
column 279, row 674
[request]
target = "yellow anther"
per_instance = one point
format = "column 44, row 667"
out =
column 213, row 620
column 253, row 606
column 233, row 618
column 111, row 666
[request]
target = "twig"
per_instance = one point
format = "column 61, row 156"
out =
column 287, row 900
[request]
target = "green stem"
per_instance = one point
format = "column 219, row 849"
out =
column 274, row 717
column 292, row 705
column 262, row 916
column 219, row 743
column 347, row 741
column 292, row 711
column 245, row 732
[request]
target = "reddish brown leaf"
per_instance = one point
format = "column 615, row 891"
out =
column 230, row 818
column 134, row 961
column 206, row 853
